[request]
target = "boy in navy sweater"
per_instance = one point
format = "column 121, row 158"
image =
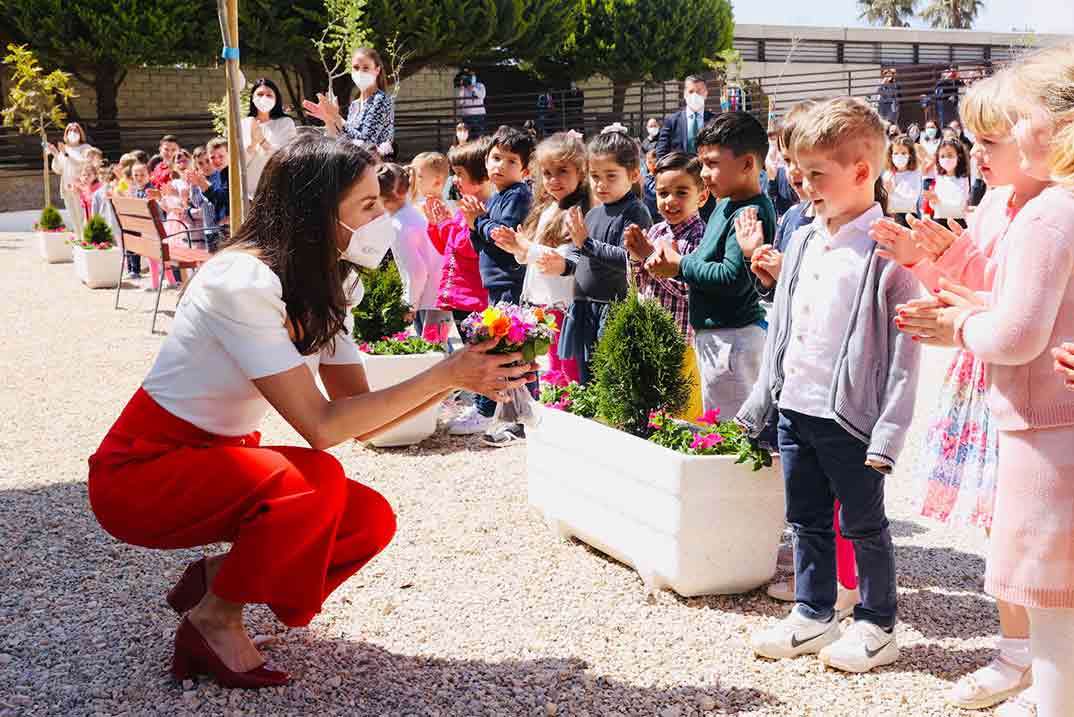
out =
column 507, row 163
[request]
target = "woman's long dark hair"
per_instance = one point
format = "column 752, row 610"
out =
column 277, row 109
column 293, row 224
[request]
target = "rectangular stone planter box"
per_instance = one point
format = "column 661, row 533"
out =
column 386, row 371
column 98, row 268
column 54, row 247
column 698, row 525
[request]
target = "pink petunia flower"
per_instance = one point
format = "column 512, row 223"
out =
column 705, row 441
column 710, row 417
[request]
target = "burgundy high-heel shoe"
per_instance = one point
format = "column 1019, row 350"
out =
column 190, row 589
column 193, row 656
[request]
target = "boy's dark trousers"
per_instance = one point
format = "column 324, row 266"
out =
column 823, row 463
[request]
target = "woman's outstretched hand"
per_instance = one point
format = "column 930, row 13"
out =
column 474, row 369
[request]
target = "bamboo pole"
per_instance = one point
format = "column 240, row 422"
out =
column 228, row 13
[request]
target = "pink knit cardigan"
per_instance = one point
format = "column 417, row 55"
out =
column 1032, row 309
column 460, row 283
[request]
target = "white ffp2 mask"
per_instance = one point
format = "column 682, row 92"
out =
column 369, row 242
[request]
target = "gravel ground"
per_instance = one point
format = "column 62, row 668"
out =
column 474, row 609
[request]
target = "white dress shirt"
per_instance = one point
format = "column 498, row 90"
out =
column 829, row 278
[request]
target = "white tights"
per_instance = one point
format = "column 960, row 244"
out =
column 1052, row 641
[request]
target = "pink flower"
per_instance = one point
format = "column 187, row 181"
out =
column 710, row 417
column 364, row 348
column 705, row 441
column 556, row 378
column 517, row 333
column 401, row 336
column 656, row 419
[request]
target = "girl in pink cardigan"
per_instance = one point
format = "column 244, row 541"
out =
column 1031, row 561
column 957, row 470
column 461, row 291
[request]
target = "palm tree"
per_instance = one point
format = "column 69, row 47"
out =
column 887, row 13
column 952, row 14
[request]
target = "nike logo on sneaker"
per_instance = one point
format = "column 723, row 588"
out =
column 796, row 643
column 873, row 653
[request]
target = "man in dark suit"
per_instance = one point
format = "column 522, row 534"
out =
column 680, row 128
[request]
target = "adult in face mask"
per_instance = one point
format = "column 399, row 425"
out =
column 255, row 325
column 680, row 129
column 371, row 117
column 69, row 158
column 265, row 129
column 652, row 135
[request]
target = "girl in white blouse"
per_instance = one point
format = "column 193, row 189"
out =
column 951, row 193
column 68, row 159
column 183, row 465
column 264, row 130
column 902, row 180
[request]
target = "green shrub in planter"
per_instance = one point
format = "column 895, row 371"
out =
column 383, row 312
column 638, row 365
column 50, row 220
column 97, row 234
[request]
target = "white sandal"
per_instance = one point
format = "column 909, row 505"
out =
column 968, row 693
column 1020, row 706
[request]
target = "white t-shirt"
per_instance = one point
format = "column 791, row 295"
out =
column 540, row 288
column 954, row 194
column 905, row 192
column 228, row 330
column 420, row 264
column 278, row 132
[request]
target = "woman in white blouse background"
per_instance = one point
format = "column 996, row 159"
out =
column 183, row 465
column 264, row 130
column 68, row 160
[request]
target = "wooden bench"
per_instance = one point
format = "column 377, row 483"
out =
column 143, row 234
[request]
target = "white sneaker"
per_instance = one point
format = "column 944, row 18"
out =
column 795, row 635
column 861, row 648
column 468, row 423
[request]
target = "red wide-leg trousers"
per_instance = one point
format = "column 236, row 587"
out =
column 298, row 527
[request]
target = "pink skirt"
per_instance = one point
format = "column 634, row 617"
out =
column 1031, row 558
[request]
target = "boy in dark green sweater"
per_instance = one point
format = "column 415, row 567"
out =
column 725, row 312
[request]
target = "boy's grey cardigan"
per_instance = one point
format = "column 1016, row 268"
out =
column 876, row 371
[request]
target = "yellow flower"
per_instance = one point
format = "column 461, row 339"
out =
column 490, row 316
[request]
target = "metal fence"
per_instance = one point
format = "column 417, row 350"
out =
column 429, row 124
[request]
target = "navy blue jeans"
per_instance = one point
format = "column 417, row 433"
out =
column 822, row 463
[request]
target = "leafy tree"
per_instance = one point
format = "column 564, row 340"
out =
column 629, row 41
column 97, row 41
column 887, row 13
column 951, row 14
column 36, row 101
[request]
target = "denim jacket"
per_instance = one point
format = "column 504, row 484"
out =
column 875, row 384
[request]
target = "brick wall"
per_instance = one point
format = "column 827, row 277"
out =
column 25, row 190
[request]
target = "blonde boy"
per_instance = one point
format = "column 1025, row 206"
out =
column 844, row 379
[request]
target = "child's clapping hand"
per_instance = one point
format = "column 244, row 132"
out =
column 472, row 208
column 766, row 264
column 636, row 243
column 932, row 237
column 552, row 263
column 664, row 261
column 576, row 226
column 509, row 240
column 896, row 242
column 436, row 212
column 749, row 231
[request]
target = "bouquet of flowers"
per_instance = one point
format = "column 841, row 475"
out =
column 528, row 331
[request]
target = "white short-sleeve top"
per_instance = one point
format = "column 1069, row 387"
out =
column 228, row 330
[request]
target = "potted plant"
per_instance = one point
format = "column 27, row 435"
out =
column 53, row 239
column 695, row 507
column 97, row 258
column 390, row 354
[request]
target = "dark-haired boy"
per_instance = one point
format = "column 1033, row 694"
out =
column 724, row 308
column 507, row 164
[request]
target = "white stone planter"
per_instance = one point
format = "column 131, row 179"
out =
column 98, row 268
column 386, row 371
column 54, row 247
column 696, row 524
